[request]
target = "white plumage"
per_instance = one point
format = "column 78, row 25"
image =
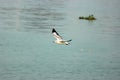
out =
column 59, row 39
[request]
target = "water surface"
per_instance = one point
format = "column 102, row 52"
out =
column 28, row 53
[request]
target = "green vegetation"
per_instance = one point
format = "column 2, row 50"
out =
column 90, row 17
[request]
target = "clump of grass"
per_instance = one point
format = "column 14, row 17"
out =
column 90, row 17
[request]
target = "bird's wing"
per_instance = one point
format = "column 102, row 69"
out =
column 56, row 35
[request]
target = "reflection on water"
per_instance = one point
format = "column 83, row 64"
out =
column 39, row 16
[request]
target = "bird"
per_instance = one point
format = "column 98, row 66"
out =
column 59, row 39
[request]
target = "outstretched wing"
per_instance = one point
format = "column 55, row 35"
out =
column 56, row 35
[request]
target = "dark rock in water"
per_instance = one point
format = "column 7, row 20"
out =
column 90, row 17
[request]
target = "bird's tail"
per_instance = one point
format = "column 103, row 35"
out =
column 69, row 40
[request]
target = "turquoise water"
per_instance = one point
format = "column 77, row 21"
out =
column 27, row 51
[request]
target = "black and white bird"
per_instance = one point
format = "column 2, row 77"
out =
column 59, row 39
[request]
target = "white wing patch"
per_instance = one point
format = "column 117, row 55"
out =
column 56, row 35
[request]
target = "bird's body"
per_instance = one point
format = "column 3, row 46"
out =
column 61, row 42
column 59, row 39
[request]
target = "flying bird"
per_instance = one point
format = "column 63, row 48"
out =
column 59, row 39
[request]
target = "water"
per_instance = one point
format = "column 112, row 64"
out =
column 28, row 53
